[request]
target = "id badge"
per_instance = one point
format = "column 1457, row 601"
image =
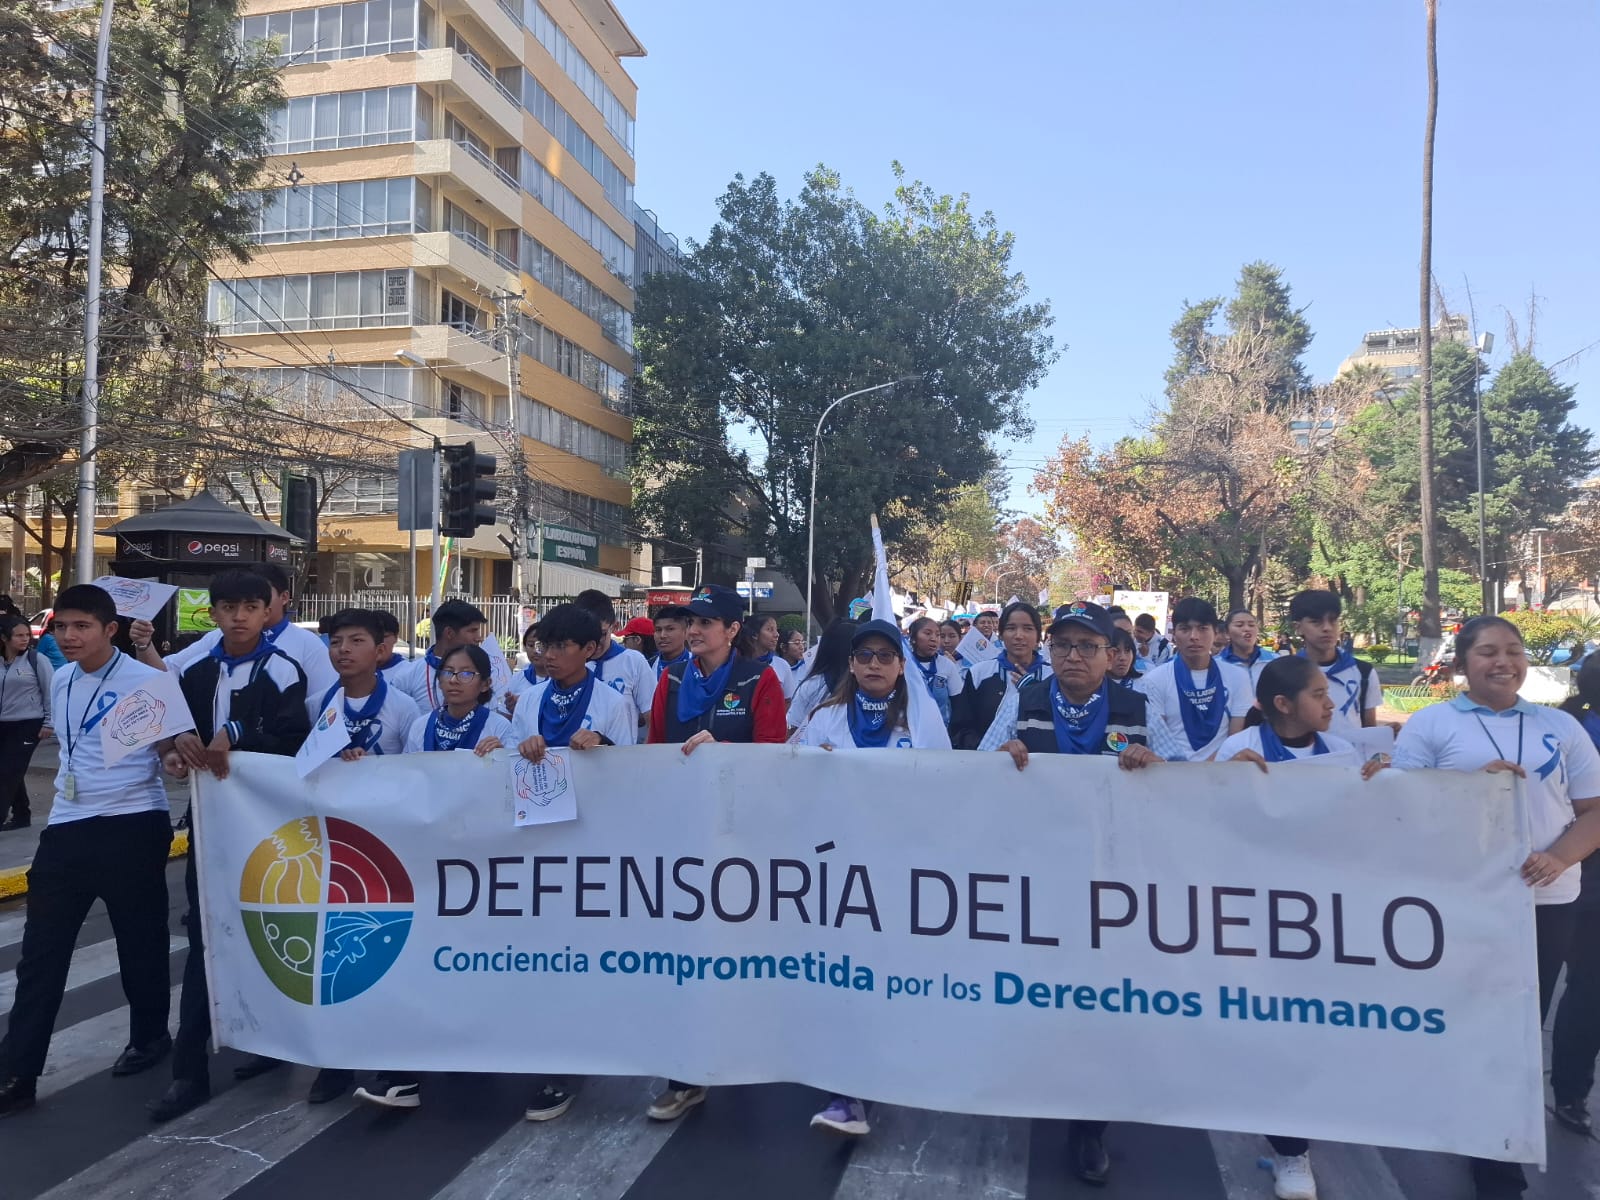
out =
column 69, row 786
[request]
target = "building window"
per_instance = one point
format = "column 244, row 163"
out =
column 334, row 300
column 618, row 187
column 338, row 120
column 577, row 290
column 578, row 217
column 360, row 392
column 326, row 211
column 338, row 31
column 459, row 314
column 556, row 428
column 554, row 39
column 560, row 354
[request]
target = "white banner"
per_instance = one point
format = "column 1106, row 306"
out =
column 1136, row 603
column 1297, row 953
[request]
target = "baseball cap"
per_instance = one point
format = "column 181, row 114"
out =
column 1084, row 613
column 887, row 630
column 639, row 627
column 714, row 600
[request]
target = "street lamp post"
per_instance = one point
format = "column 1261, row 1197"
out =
column 1484, row 347
column 811, row 512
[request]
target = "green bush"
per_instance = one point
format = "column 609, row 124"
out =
column 1379, row 651
column 790, row 622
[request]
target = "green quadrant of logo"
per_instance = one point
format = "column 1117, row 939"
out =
column 285, row 944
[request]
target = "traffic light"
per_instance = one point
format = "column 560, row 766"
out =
column 469, row 491
column 300, row 508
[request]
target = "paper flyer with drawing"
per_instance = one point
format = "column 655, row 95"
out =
column 543, row 791
column 141, row 599
column 154, row 710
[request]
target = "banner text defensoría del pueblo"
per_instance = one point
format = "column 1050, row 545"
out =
column 1300, row 952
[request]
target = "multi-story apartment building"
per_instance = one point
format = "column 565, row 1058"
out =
column 444, row 170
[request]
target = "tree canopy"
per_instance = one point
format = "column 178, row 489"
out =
column 789, row 305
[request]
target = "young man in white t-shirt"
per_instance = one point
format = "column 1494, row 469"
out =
column 1194, row 700
column 107, row 839
column 619, row 668
column 1353, row 684
column 455, row 622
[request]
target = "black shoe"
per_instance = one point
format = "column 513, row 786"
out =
column 1090, row 1162
column 329, row 1084
column 256, row 1064
column 15, row 1095
column 1574, row 1115
column 141, row 1058
column 548, row 1103
column 181, row 1096
column 16, row 823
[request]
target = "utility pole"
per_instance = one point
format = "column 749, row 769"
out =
column 510, row 339
column 87, row 485
column 1428, row 629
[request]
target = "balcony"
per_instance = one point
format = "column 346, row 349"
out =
column 461, row 352
column 476, row 172
column 502, row 25
column 463, row 79
column 469, row 258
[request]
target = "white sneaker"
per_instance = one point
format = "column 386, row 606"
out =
column 1292, row 1178
column 674, row 1102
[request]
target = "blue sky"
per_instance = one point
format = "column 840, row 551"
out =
column 1142, row 151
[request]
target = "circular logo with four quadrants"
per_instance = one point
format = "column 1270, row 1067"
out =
column 327, row 907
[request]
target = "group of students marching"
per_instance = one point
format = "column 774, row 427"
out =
column 1082, row 680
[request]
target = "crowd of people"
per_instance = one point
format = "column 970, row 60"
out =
column 1078, row 679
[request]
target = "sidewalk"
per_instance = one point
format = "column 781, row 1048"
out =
column 17, row 846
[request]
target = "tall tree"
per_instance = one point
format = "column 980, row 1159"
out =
column 1428, row 628
column 191, row 108
column 790, row 304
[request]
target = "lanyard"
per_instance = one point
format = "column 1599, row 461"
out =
column 1496, row 745
column 87, row 722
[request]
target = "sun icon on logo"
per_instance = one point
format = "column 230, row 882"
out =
column 327, row 907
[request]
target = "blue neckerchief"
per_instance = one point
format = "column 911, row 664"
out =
column 394, row 661
column 272, row 634
column 1127, row 680
column 937, row 687
column 1273, row 749
column 869, row 721
column 615, row 649
column 663, row 663
column 1202, row 709
column 1031, row 672
column 1080, row 729
column 263, row 647
column 1343, row 661
column 696, row 691
column 444, row 732
column 529, row 674
column 562, row 710
column 362, row 724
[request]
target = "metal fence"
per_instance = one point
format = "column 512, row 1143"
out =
column 504, row 612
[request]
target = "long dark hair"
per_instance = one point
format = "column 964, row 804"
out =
column 1475, row 629
column 845, row 691
column 832, row 659
column 1287, row 677
column 915, row 628
column 745, row 644
column 1587, row 700
column 8, row 626
column 479, row 658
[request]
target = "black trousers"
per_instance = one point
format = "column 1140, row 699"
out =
column 18, row 740
column 1576, row 1040
column 1553, row 925
column 189, row 1056
column 121, row 860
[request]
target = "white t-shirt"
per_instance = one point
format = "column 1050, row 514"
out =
column 1560, row 759
column 416, row 678
column 1165, row 718
column 610, row 714
column 398, row 713
column 130, row 786
column 630, row 674
column 831, row 727
column 495, row 726
column 1339, row 750
column 808, row 693
column 1350, row 697
column 305, row 647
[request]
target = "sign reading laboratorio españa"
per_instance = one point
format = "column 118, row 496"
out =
column 1298, row 952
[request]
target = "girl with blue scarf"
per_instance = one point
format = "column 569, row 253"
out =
column 1290, row 720
column 465, row 721
column 988, row 683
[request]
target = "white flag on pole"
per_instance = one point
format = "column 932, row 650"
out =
column 923, row 718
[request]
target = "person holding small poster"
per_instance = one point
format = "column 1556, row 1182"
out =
column 107, row 839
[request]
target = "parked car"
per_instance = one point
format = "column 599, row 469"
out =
column 39, row 623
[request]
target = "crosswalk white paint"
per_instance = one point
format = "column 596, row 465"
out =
column 603, row 1145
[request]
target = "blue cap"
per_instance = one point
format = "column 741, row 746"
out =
column 1085, row 613
column 713, row 600
column 887, row 630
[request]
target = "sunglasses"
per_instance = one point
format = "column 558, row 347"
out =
column 1081, row 649
column 865, row 657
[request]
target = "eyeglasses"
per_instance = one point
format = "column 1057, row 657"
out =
column 865, row 657
column 466, row 676
column 1083, row 650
